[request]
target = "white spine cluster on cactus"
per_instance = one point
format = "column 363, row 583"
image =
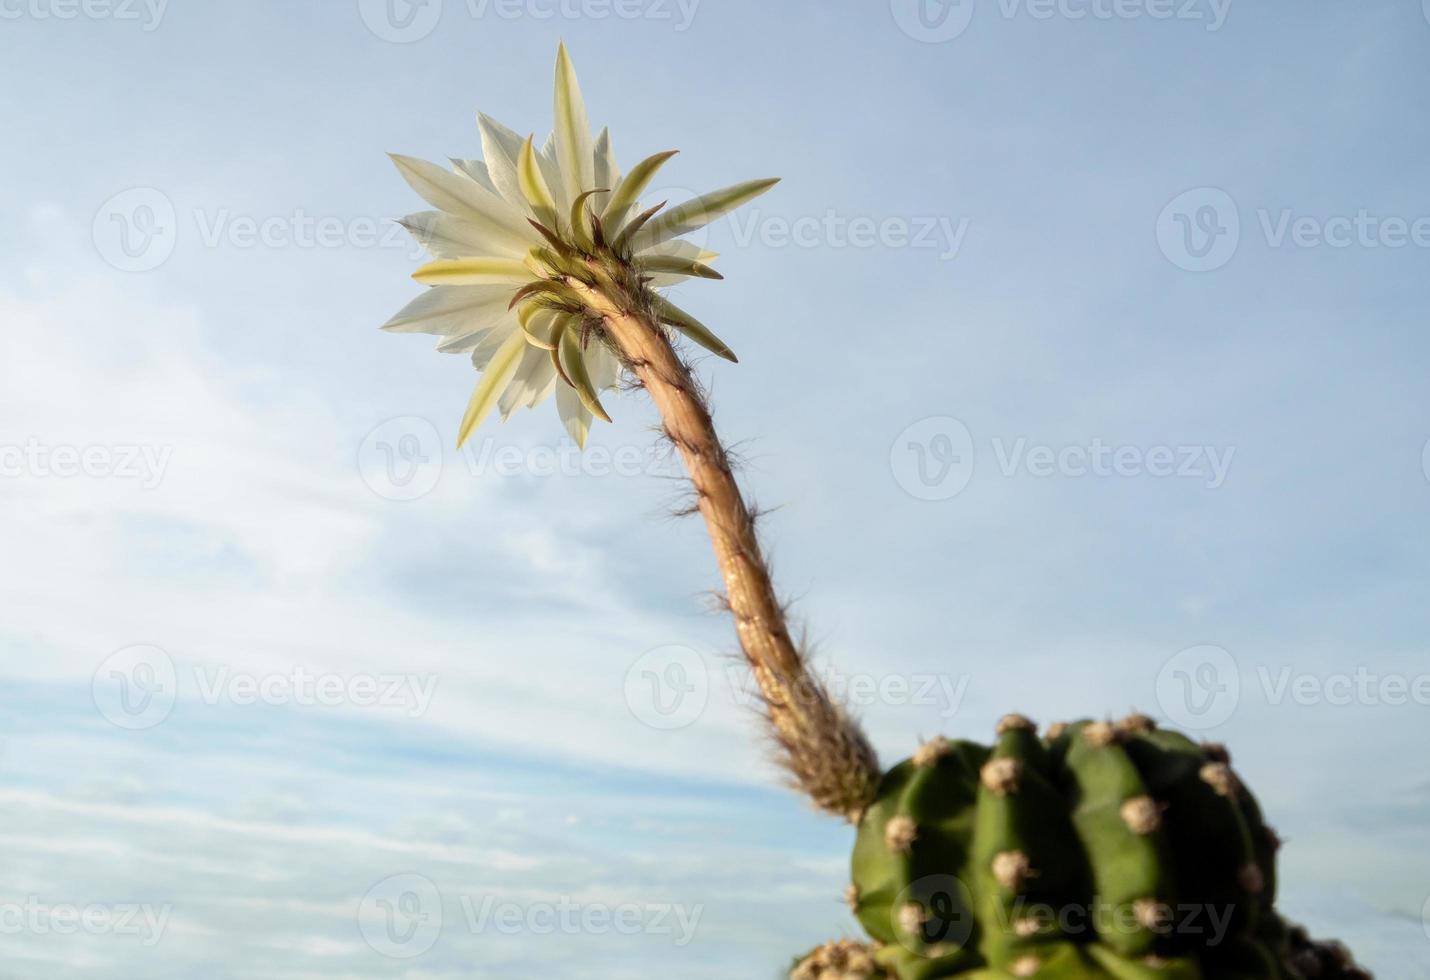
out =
column 1026, row 966
column 1101, row 734
column 1136, row 724
column 1142, row 815
column 931, row 751
column 1015, row 722
column 1152, row 914
column 1011, row 869
column 1002, row 776
column 900, row 834
column 1218, row 776
column 912, row 918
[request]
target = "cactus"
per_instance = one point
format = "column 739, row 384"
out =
column 1101, row 850
column 548, row 272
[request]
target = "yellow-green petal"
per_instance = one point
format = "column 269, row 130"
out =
column 539, row 325
column 692, row 328
column 573, row 364
column 633, row 227
column 699, row 212
column 581, row 219
column 563, row 326
column 493, row 381
column 631, row 188
column 678, row 265
column 533, row 185
column 476, row 271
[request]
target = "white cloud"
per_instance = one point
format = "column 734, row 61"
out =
column 245, row 555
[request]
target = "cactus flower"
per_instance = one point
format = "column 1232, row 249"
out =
column 520, row 239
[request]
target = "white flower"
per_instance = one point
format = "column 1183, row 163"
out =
column 521, row 236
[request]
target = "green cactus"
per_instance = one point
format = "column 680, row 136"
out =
column 1099, row 852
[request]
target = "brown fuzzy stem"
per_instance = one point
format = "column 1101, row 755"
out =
column 822, row 747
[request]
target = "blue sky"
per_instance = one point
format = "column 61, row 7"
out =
column 1083, row 354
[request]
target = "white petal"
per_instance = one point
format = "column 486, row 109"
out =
column 466, row 342
column 574, row 151
column 498, row 335
column 451, row 310
column 477, row 170
column 462, row 196
column 547, row 390
column 605, row 368
column 533, row 376
column 501, row 148
column 574, row 415
column 449, row 237
column 607, row 172
column 551, row 170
